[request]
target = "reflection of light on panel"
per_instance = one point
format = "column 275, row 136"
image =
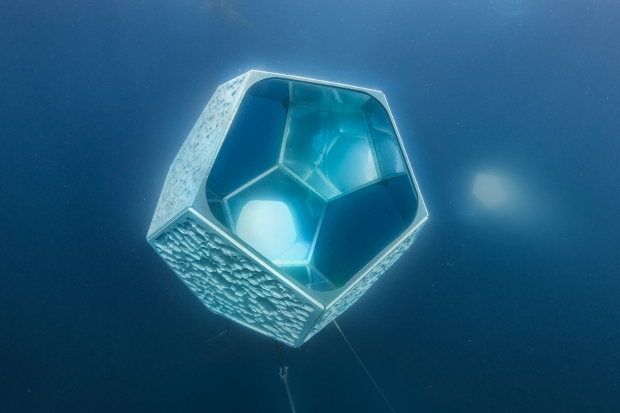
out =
column 296, row 255
column 268, row 227
column 349, row 163
column 321, row 183
column 385, row 146
column 349, row 124
column 316, row 234
column 329, row 151
column 319, row 190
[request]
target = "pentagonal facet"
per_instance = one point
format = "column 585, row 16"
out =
column 327, row 143
column 307, row 194
column 277, row 216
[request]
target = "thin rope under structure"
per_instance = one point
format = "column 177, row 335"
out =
column 365, row 369
column 222, row 333
column 284, row 373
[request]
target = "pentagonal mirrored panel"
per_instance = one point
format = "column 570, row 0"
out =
column 349, row 162
column 329, row 150
column 277, row 217
column 356, row 228
column 253, row 142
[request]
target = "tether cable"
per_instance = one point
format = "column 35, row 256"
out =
column 284, row 373
column 365, row 369
column 222, row 333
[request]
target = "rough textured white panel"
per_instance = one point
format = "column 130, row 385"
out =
column 231, row 284
column 351, row 296
column 197, row 154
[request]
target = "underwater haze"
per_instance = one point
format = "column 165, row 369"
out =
column 509, row 300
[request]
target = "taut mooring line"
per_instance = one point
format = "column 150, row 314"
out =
column 365, row 369
column 222, row 333
column 284, row 373
column 283, row 376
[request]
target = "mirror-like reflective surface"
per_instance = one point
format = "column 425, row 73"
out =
column 286, row 212
column 313, row 178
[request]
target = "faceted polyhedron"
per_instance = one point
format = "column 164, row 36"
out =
column 287, row 201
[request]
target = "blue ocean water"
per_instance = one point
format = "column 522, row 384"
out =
column 511, row 308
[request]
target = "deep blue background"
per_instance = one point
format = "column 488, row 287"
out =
column 513, row 312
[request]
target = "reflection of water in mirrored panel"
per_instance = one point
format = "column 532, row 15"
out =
column 298, row 209
column 349, row 164
column 306, row 141
column 268, row 226
column 306, row 94
column 387, row 151
column 253, row 141
column 355, row 229
column 329, row 151
column 338, row 149
column 320, row 185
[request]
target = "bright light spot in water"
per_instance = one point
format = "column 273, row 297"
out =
column 488, row 189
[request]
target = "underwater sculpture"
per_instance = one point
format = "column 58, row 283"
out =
column 288, row 200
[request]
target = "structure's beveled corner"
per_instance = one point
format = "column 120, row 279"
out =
column 275, row 184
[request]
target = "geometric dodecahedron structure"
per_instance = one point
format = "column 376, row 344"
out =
column 289, row 198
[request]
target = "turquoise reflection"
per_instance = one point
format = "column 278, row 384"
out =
column 313, row 179
column 268, row 227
